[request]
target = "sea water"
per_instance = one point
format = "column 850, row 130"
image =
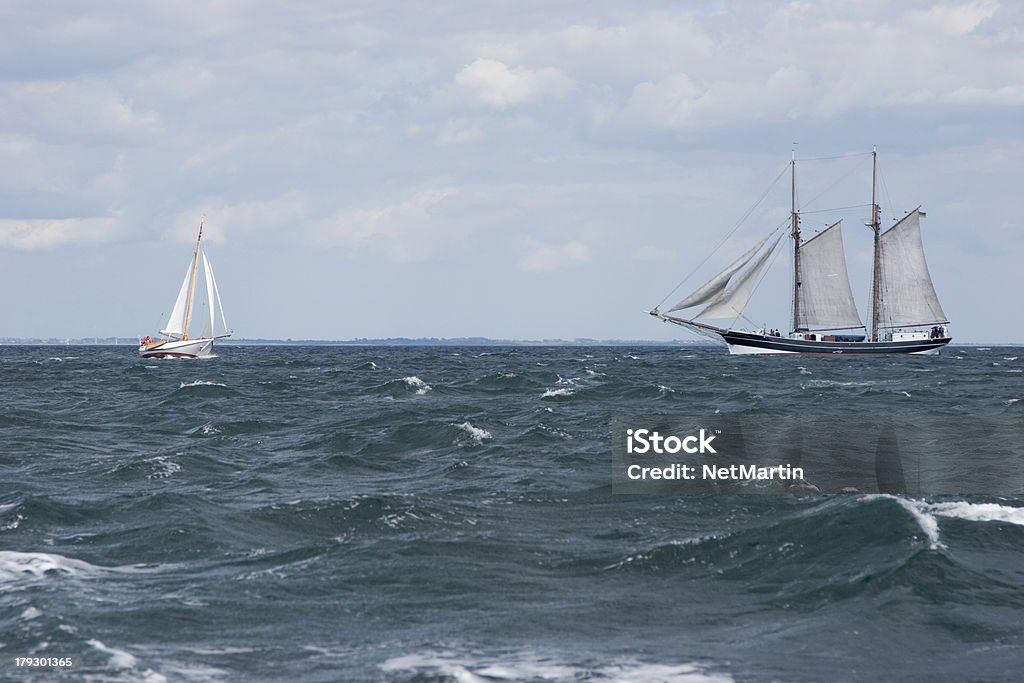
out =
column 446, row 514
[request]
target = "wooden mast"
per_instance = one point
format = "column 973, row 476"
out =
column 796, row 245
column 192, row 284
column 875, row 228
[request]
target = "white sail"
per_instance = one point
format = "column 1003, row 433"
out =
column 826, row 300
column 715, row 287
column 175, row 326
column 906, row 293
column 213, row 296
column 732, row 302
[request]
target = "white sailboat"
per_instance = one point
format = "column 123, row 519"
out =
column 187, row 311
column 825, row 319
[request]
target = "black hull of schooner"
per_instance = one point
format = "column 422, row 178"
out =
column 759, row 343
column 741, row 343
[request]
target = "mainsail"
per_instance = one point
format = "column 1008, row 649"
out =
column 826, row 300
column 715, row 287
column 213, row 295
column 906, row 295
column 731, row 302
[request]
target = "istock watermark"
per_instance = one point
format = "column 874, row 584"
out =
column 758, row 454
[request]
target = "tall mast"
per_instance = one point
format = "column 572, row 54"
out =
column 875, row 228
column 796, row 245
column 192, row 283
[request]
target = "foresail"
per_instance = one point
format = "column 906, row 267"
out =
column 175, row 325
column 715, row 287
column 732, row 302
column 826, row 300
column 906, row 293
column 213, row 297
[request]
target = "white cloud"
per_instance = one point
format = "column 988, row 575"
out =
column 496, row 85
column 407, row 230
column 954, row 20
column 556, row 257
column 69, row 109
column 36, row 234
column 225, row 222
column 459, row 132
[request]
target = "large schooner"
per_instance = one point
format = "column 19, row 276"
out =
column 906, row 316
column 177, row 342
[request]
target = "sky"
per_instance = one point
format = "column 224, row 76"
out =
column 515, row 170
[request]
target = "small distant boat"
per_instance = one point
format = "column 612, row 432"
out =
column 177, row 343
column 905, row 313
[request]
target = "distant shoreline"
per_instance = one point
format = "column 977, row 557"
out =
column 397, row 341
column 423, row 341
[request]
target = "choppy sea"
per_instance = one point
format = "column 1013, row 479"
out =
column 440, row 514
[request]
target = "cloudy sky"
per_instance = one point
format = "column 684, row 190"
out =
column 503, row 169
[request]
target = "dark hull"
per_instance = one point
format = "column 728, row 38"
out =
column 166, row 354
column 746, row 342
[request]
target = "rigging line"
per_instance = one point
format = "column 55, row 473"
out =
column 837, row 208
column 837, row 181
column 726, row 237
column 885, row 190
column 840, row 156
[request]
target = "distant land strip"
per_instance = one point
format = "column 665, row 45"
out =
column 390, row 341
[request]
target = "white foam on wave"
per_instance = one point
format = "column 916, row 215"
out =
column 562, row 391
column 479, row 435
column 929, row 525
column 926, row 514
column 838, row 383
column 123, row 661
column 535, row 667
column 201, row 383
column 20, row 568
column 420, row 386
column 978, row 512
column 13, row 523
column 163, row 467
column 16, row 567
column 207, row 429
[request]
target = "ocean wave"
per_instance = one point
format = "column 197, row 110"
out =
column 17, row 567
column 201, row 383
column 404, row 386
column 478, row 435
column 419, row 385
column 527, row 666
